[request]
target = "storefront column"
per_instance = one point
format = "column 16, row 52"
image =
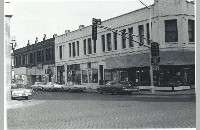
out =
column 106, row 43
column 71, row 49
column 112, row 41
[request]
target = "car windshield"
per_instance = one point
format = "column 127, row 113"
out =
column 40, row 83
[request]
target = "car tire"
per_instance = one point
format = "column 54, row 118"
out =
column 26, row 98
column 114, row 92
column 128, row 93
column 50, row 90
column 70, row 90
column 62, row 89
column 100, row 91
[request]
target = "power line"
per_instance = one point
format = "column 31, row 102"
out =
column 115, row 31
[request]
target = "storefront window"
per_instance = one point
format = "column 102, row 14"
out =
column 84, row 76
column 94, row 76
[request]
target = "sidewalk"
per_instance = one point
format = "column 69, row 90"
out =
column 160, row 93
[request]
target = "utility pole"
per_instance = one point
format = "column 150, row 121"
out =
column 152, row 88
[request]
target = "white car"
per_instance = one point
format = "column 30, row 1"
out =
column 37, row 86
column 58, row 87
column 74, row 87
column 20, row 91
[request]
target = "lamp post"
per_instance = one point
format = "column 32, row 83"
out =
column 13, row 46
column 152, row 88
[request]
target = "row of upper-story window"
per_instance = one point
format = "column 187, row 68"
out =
column 39, row 56
column 89, row 47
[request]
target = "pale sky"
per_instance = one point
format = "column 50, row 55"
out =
column 34, row 18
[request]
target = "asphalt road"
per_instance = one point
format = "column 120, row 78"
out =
column 64, row 110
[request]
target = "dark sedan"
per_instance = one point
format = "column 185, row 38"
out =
column 117, row 87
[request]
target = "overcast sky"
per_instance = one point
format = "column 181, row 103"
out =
column 34, row 18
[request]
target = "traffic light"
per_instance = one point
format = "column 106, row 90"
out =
column 154, row 49
column 95, row 22
column 94, row 32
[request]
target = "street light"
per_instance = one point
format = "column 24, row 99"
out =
column 152, row 88
column 13, row 46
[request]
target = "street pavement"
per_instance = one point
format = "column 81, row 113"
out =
column 90, row 110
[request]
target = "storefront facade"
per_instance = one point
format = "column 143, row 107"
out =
column 37, row 61
column 123, row 54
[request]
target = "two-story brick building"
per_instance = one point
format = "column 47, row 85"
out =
column 35, row 62
column 122, row 54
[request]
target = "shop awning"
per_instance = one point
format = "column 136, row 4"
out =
column 177, row 58
column 143, row 59
column 134, row 60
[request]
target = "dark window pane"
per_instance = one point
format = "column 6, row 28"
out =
column 141, row 34
column 123, row 38
column 109, row 44
column 130, row 31
column 103, row 42
column 84, row 46
column 171, row 31
column 89, row 46
column 191, row 30
column 115, row 40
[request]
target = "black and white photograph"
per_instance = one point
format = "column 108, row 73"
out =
column 97, row 64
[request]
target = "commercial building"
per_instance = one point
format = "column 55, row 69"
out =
column 8, row 14
column 122, row 54
column 35, row 62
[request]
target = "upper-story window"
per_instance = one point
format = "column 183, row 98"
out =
column 115, row 40
column 23, row 59
column 141, row 35
column 109, row 44
column 130, row 31
column 42, row 55
column 70, row 50
column 39, row 56
column 31, row 58
column 48, row 54
column 84, row 46
column 52, row 53
column 60, row 50
column 26, row 59
column 77, row 43
column 74, row 49
column 148, row 34
column 94, row 46
column 191, row 30
column 171, row 30
column 123, row 38
column 103, row 42
column 89, row 46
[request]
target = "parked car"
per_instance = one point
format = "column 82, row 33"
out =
column 118, row 87
column 74, row 87
column 58, row 87
column 37, row 86
column 20, row 91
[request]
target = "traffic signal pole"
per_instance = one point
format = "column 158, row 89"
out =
column 152, row 88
